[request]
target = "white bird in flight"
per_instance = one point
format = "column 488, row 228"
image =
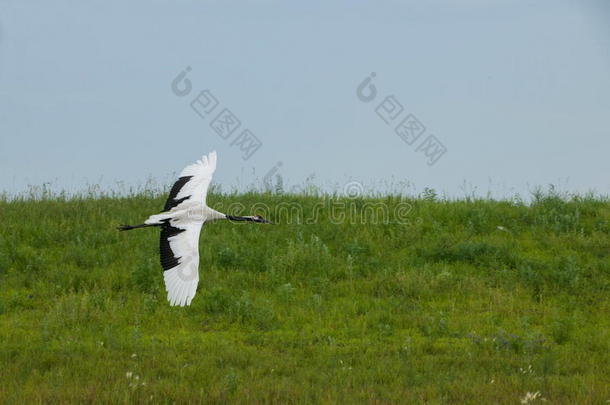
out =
column 184, row 214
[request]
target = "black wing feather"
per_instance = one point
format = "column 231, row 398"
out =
column 168, row 259
column 171, row 199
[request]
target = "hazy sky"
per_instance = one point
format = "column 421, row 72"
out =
column 518, row 92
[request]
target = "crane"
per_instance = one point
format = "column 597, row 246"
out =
column 183, row 216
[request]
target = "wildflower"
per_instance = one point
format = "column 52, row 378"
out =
column 527, row 370
column 128, row 374
column 530, row 396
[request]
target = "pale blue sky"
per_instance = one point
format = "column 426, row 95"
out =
column 517, row 91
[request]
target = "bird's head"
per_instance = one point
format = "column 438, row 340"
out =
column 259, row 219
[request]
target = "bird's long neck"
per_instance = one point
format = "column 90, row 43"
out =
column 211, row 214
column 238, row 219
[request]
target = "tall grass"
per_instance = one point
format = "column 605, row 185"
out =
column 461, row 301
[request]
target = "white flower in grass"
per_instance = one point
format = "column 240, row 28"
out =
column 531, row 396
column 128, row 374
column 527, row 370
column 504, row 229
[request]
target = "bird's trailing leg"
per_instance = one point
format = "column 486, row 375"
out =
column 130, row 227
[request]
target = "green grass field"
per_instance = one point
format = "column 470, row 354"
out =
column 441, row 307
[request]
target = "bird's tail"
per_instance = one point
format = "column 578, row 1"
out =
column 158, row 219
column 153, row 220
column 130, row 227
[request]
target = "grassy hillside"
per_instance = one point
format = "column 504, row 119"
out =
column 449, row 302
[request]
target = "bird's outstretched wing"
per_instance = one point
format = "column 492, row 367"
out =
column 193, row 182
column 179, row 243
column 179, row 248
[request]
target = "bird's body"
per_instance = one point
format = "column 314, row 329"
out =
column 184, row 215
